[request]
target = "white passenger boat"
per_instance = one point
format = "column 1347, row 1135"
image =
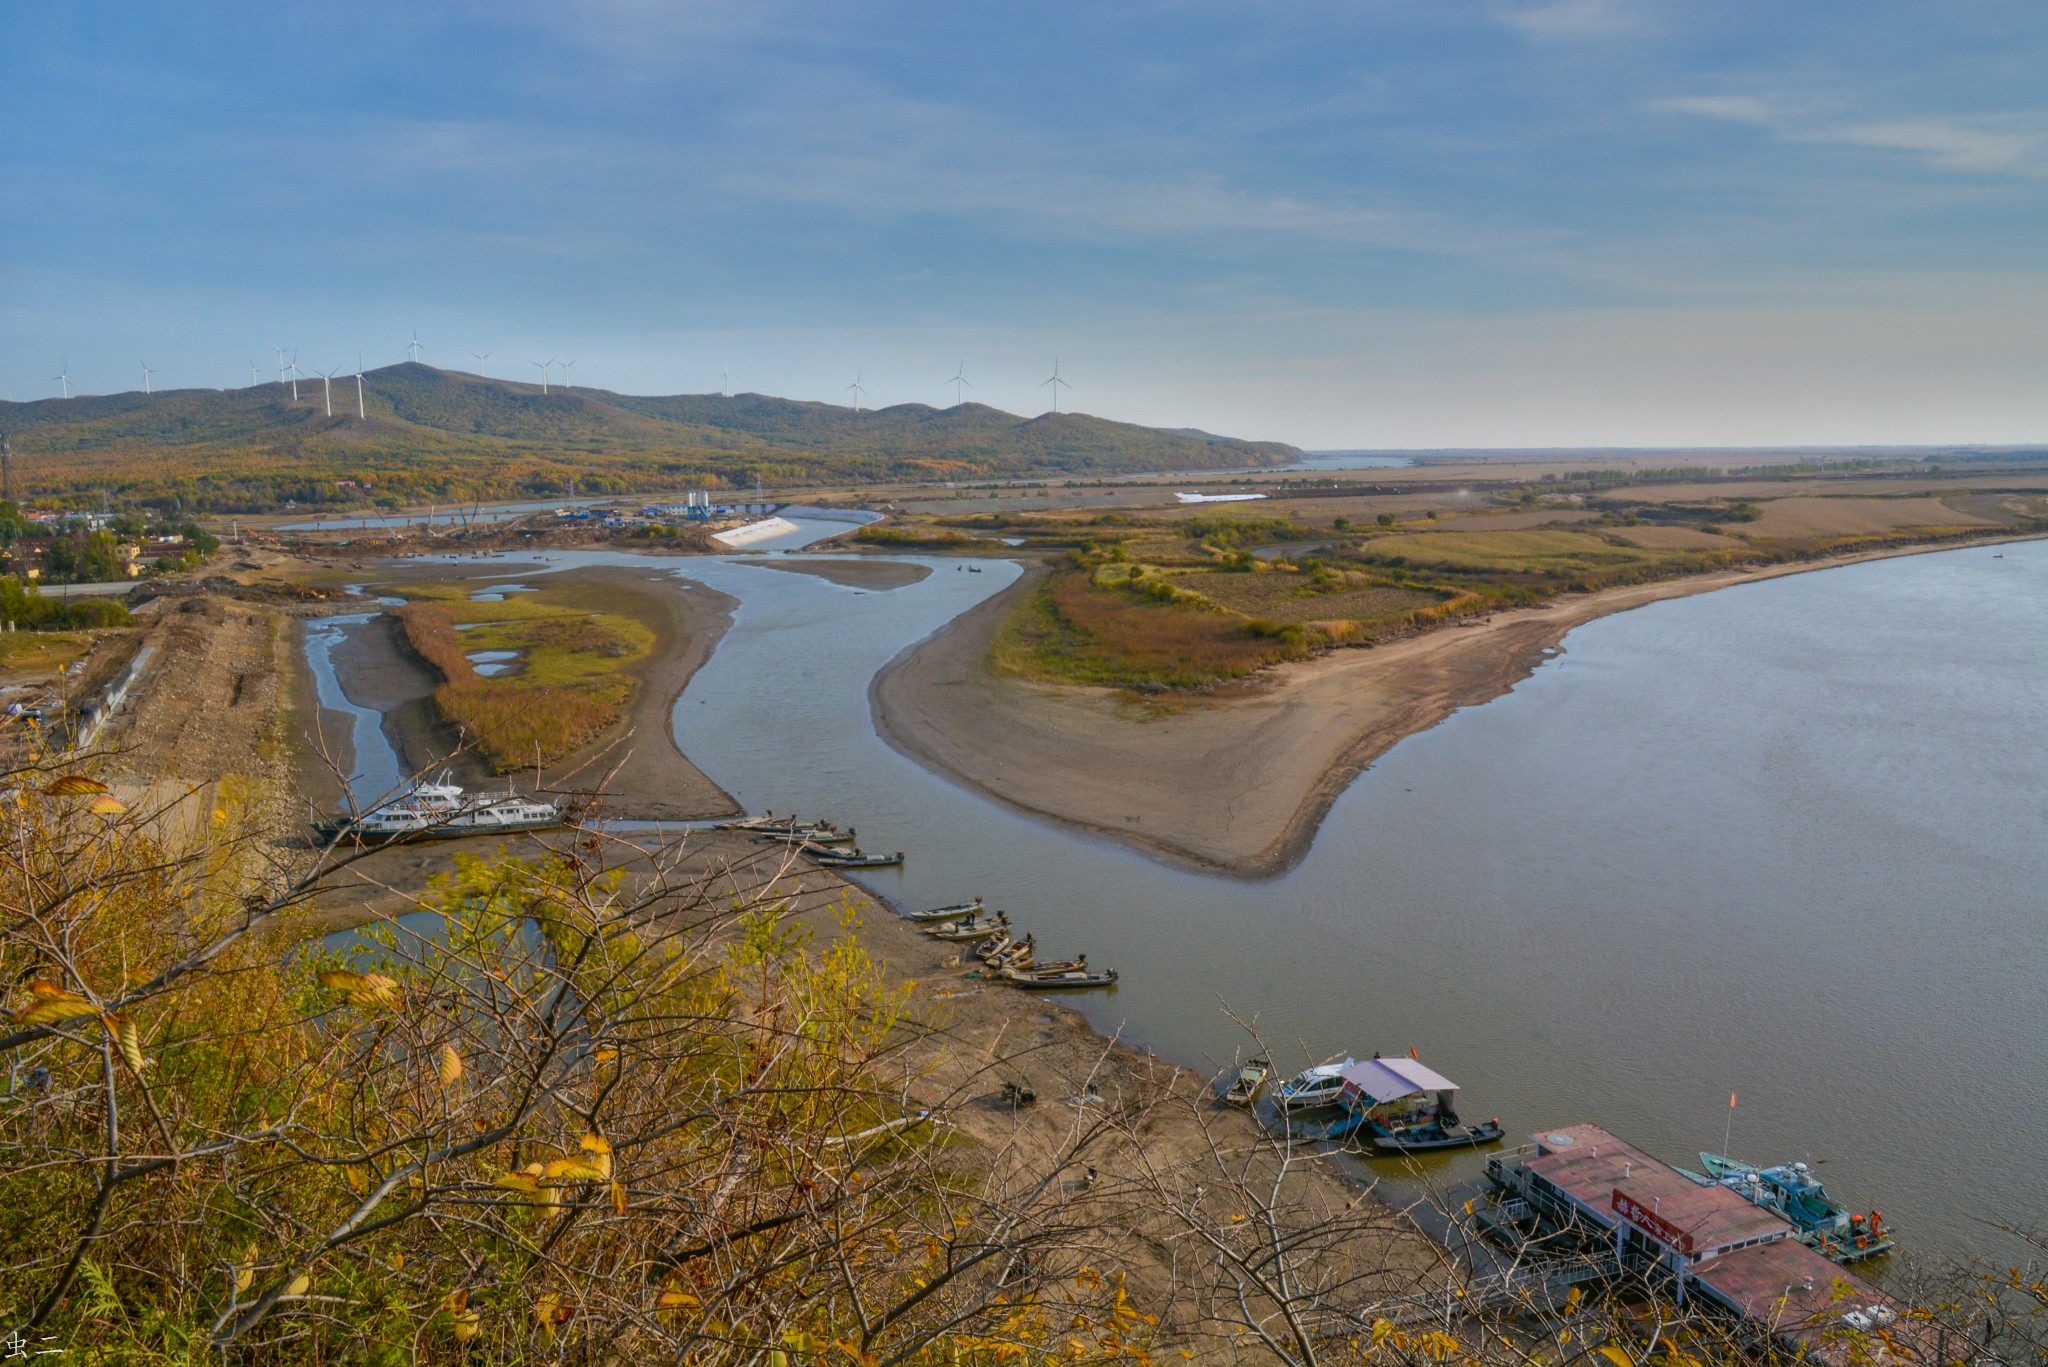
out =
column 442, row 809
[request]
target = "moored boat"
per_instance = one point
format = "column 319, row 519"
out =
column 952, row 913
column 1792, row 1190
column 1404, row 1106
column 973, row 928
column 441, row 810
column 1314, row 1087
column 855, row 858
column 806, row 835
column 1245, row 1084
column 1434, row 1136
column 1049, row 979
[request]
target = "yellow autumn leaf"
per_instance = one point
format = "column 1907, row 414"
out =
column 245, row 1270
column 518, row 1181
column 618, row 1198
column 1616, row 1356
column 456, row 1300
column 564, row 1170
column 54, row 1008
column 106, row 804
column 73, row 785
column 127, row 1039
column 451, row 1066
column 606, row 1054
column 467, row 1322
column 300, row 1285
column 600, row 1150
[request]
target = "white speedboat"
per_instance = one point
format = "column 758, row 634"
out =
column 1321, row 1085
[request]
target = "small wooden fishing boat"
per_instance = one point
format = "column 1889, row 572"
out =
column 855, row 858
column 1056, row 979
column 1005, row 952
column 807, row 835
column 952, row 913
column 1433, row 1137
column 1244, row 1088
column 973, row 928
column 753, row 823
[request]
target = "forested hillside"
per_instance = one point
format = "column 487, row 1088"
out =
column 436, row 434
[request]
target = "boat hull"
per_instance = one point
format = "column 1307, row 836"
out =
column 1462, row 1137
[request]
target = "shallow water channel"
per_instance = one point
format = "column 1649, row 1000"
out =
column 1788, row 840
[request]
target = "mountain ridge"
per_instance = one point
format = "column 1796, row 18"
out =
column 432, row 433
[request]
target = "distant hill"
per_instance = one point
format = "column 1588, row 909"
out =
column 438, row 434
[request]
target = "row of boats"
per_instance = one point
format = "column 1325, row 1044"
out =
column 1396, row 1105
column 1004, row 954
column 441, row 809
column 821, row 841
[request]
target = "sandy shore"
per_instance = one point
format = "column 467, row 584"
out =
column 1237, row 784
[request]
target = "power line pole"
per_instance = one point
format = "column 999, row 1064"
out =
column 6, row 469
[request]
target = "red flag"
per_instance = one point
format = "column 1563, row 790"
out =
column 1412, row 1054
column 1731, row 1101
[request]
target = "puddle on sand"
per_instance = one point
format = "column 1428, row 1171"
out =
column 492, row 662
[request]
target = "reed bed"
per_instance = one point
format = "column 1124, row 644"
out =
column 511, row 721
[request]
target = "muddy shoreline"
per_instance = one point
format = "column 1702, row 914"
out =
column 1236, row 785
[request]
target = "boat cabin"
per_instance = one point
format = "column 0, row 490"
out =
column 1398, row 1094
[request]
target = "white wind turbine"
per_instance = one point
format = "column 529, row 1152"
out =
column 359, row 386
column 146, row 373
column 1057, row 384
column 960, row 382
column 280, row 361
column 413, row 348
column 327, row 387
column 295, row 376
column 544, row 371
column 565, row 373
column 63, row 378
column 725, row 383
column 252, row 375
column 481, row 357
column 857, row 391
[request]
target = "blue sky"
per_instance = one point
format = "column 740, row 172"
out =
column 1524, row 222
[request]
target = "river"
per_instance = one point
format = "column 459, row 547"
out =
column 1787, row 840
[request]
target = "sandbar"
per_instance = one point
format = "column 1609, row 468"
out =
column 1236, row 781
column 857, row 574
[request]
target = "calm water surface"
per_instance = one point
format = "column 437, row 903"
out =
column 1788, row 840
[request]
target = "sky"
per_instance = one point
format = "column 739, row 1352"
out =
column 1364, row 224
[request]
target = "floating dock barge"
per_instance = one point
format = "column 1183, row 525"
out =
column 1653, row 1222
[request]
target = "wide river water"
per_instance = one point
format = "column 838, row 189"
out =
column 1787, row 840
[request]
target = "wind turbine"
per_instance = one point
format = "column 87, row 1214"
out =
column 1057, row 384
column 146, row 373
column 725, row 383
column 359, row 386
column 481, row 357
column 280, row 361
column 327, row 387
column 857, row 391
column 960, row 381
column 295, row 376
column 413, row 348
column 252, row 374
column 565, row 373
column 544, row 371
column 63, row 377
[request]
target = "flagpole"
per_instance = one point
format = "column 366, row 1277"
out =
column 1728, row 1130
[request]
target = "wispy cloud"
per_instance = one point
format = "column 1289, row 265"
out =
column 2007, row 145
column 1571, row 20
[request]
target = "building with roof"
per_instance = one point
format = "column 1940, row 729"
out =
column 1709, row 1244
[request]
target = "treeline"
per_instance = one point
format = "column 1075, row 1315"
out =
column 23, row 608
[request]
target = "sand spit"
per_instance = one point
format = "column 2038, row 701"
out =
column 1238, row 782
column 857, row 574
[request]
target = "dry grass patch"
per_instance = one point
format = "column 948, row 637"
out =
column 1675, row 539
column 1797, row 517
column 1508, row 552
column 1284, row 596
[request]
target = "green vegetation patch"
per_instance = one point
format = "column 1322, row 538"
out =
column 1523, row 552
column 1306, row 596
